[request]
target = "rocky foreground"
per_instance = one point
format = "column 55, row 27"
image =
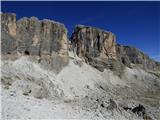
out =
column 46, row 75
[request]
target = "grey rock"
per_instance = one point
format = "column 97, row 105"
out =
column 97, row 47
column 48, row 40
column 93, row 42
column 8, row 31
column 30, row 36
column 8, row 43
column 130, row 56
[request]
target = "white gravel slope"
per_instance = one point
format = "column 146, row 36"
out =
column 30, row 92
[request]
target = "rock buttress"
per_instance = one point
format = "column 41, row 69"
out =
column 93, row 42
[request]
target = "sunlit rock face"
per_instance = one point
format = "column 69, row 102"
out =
column 47, row 42
column 97, row 47
column 29, row 36
column 8, row 22
column 8, row 33
column 93, row 42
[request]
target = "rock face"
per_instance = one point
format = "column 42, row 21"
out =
column 41, row 37
column 96, row 46
column 47, row 40
column 8, row 33
column 99, row 49
column 30, row 36
column 93, row 42
column 130, row 56
column 8, row 22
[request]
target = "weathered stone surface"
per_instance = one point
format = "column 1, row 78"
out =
column 8, row 43
column 96, row 46
column 93, row 42
column 41, row 37
column 48, row 40
column 8, row 32
column 131, row 56
column 30, row 36
column 8, row 22
column 99, row 49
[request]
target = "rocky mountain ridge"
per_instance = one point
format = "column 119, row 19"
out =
column 89, row 76
column 48, row 41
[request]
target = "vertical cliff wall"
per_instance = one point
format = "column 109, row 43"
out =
column 8, row 33
column 98, row 48
column 93, row 42
column 47, row 41
column 29, row 36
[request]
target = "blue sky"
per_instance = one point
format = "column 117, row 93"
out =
column 134, row 23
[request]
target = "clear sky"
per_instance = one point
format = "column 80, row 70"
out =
column 134, row 23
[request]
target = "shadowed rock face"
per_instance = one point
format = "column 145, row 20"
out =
column 30, row 36
column 130, row 56
column 41, row 37
column 8, row 33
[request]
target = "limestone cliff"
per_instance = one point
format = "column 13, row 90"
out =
column 98, row 48
column 93, row 42
column 29, row 36
column 8, row 33
column 47, row 42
